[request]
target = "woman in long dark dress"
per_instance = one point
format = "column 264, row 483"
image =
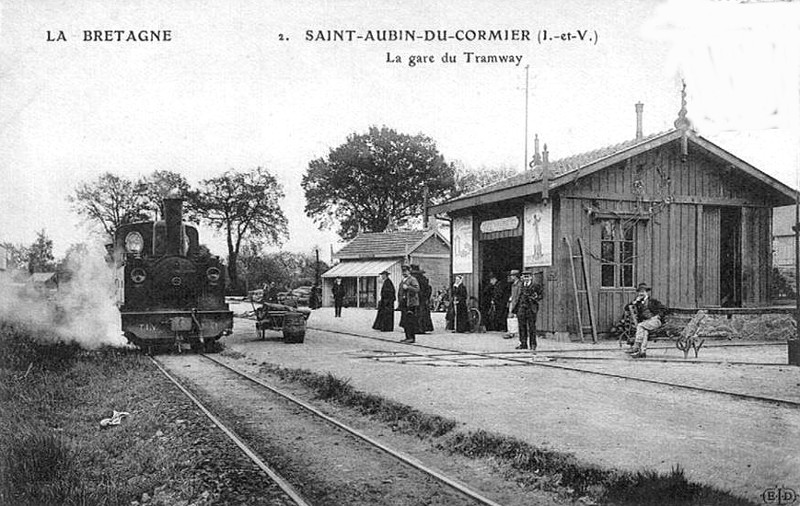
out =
column 384, row 321
column 460, row 301
column 425, row 321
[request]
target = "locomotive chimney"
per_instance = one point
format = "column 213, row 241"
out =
column 639, row 108
column 173, row 218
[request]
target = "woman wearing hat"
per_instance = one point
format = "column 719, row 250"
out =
column 384, row 321
column 460, row 300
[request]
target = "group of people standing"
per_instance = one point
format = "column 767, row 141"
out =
column 413, row 302
column 517, row 299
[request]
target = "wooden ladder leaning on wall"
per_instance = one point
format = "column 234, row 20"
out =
column 586, row 292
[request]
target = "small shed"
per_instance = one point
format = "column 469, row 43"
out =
column 42, row 282
column 673, row 210
column 362, row 259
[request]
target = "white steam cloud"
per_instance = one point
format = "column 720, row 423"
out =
column 81, row 309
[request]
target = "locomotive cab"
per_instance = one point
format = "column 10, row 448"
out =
column 172, row 289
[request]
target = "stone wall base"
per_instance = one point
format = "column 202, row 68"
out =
column 749, row 327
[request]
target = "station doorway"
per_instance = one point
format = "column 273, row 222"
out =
column 730, row 252
column 500, row 256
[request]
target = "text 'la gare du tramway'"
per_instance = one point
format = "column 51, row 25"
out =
column 417, row 35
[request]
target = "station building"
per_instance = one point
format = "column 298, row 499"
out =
column 362, row 260
column 673, row 210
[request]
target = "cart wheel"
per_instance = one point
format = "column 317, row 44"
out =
column 474, row 319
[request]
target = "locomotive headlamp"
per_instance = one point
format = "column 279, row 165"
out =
column 213, row 274
column 134, row 243
column 138, row 275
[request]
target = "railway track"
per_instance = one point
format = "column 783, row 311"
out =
column 457, row 493
column 552, row 360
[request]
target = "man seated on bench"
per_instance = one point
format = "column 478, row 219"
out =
column 650, row 315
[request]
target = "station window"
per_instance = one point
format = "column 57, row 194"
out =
column 617, row 253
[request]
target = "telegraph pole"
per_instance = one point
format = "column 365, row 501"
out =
column 525, row 162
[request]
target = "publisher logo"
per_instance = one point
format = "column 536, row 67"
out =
column 779, row 495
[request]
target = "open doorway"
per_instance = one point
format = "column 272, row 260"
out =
column 730, row 257
column 499, row 256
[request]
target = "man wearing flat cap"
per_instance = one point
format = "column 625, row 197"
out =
column 408, row 303
column 527, row 308
column 650, row 315
column 384, row 321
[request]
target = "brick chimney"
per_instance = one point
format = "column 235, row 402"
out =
column 639, row 107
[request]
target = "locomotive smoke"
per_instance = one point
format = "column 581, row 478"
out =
column 82, row 310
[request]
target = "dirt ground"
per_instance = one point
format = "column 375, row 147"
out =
column 330, row 467
column 739, row 445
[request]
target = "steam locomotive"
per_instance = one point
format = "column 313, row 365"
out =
column 170, row 289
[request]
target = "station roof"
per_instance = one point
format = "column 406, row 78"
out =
column 573, row 167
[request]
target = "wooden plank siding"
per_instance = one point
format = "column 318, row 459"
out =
column 677, row 235
column 678, row 247
column 708, row 281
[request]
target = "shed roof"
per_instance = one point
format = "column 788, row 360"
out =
column 41, row 277
column 386, row 244
column 573, row 167
column 356, row 268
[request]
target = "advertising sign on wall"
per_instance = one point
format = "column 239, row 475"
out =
column 462, row 245
column 538, row 235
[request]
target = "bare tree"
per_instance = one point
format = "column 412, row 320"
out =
column 108, row 201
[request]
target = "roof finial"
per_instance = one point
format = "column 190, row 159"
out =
column 537, row 158
column 683, row 123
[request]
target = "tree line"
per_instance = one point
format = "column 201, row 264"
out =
column 374, row 181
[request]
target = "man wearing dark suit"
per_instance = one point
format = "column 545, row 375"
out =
column 650, row 315
column 338, row 297
column 527, row 308
column 408, row 303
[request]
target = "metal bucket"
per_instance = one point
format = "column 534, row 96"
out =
column 294, row 328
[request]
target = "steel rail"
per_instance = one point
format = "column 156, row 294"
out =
column 502, row 355
column 373, row 442
column 284, row 485
column 757, row 398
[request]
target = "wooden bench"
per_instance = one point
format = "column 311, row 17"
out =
column 684, row 333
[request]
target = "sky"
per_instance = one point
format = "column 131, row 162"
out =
column 240, row 85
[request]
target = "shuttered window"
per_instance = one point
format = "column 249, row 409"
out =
column 617, row 253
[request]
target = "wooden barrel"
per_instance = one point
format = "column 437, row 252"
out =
column 294, row 328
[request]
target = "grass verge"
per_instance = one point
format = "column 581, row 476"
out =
column 53, row 450
column 533, row 467
column 401, row 417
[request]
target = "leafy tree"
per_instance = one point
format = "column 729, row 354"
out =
column 109, row 201
column 286, row 269
column 17, row 255
column 243, row 205
column 374, row 178
column 40, row 254
column 159, row 184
